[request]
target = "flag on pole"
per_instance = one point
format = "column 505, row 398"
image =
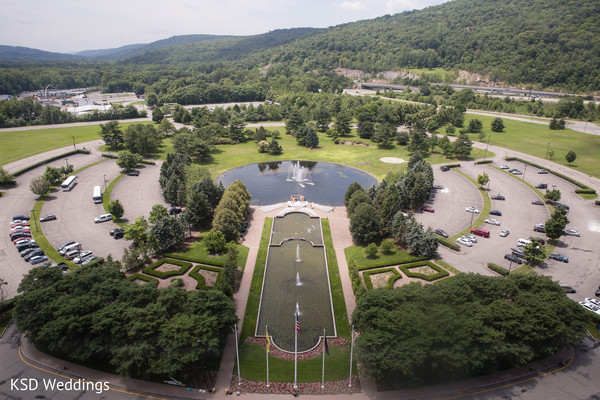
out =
column 326, row 346
column 297, row 324
column 268, row 340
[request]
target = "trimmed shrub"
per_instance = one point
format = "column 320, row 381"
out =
column 483, row 162
column 390, row 283
column 145, row 278
column 451, row 165
column 151, row 269
column 598, row 202
column 113, row 156
column 147, row 162
column 496, row 268
column 177, row 282
column 216, row 263
column 440, row 273
column 357, row 285
column 445, row 242
column 585, row 191
column 371, row 250
column 201, row 285
column 70, row 153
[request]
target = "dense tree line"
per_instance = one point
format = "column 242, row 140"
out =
column 466, row 326
column 95, row 316
column 232, row 210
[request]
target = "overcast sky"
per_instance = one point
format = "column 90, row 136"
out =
column 74, row 25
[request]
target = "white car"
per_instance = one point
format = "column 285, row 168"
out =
column 517, row 172
column 504, row 232
column 464, row 242
column 492, row 221
column 103, row 218
column 542, row 171
column 504, row 166
column 595, row 302
column 471, row 238
column 472, row 210
column 571, row 232
column 590, row 306
column 82, row 256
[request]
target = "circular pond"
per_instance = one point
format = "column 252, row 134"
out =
column 318, row 181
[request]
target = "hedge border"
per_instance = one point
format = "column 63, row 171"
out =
column 445, row 242
column 193, row 259
column 497, row 269
column 151, row 269
column 49, row 160
column 107, row 155
column 201, row 285
column 451, row 165
column 568, row 179
column 390, row 283
column 448, row 267
column 145, row 278
column 441, row 273
column 484, row 162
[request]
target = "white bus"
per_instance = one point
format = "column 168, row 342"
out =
column 69, row 183
column 97, row 194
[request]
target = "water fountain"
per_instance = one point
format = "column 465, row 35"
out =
column 298, row 283
column 299, row 174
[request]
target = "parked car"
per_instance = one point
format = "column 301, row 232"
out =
column 567, row 288
column 89, row 260
column 541, row 186
column 539, row 239
column 559, row 257
column 27, row 245
column 517, row 172
column 464, row 242
column 19, row 229
column 21, row 217
column 428, row 209
column 571, row 232
column 504, row 232
column 19, row 235
column 589, row 306
column 504, row 166
column 113, row 231
column 175, row 211
column 18, row 222
column 103, row 218
column 441, row 232
column 21, row 241
column 518, row 251
column 50, row 217
column 539, row 228
column 244, row 228
column 537, row 202
column 134, row 172
column 513, row 258
column 492, row 221
column 82, row 256
column 71, row 254
column 38, row 259
column 472, row 238
column 557, row 204
column 119, row 234
column 481, row 232
column 65, row 244
column 25, row 252
column 37, row 252
column 438, row 187
column 472, row 210
column 542, row 171
column 496, row 212
column 498, row 197
column 444, row 168
column 595, row 302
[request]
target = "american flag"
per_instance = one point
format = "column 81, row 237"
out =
column 297, row 324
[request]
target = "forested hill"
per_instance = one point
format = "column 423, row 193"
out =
column 553, row 43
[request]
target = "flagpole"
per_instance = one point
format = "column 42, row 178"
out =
column 323, row 374
column 267, row 353
column 351, row 349
column 237, row 356
column 296, row 348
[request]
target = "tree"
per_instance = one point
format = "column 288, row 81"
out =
column 157, row 115
column 39, row 185
column 558, row 221
column 263, row 146
column 371, row 250
column 157, row 213
column 418, row 144
column 387, row 246
column 474, row 126
column 169, row 232
column 128, row 160
column 483, row 179
column 111, row 134
column 365, row 224
column 6, row 179
column 342, row 123
column 275, row 148
column 137, row 231
column 366, row 129
column 553, row 195
column 551, row 154
column 115, row 208
column 199, row 210
column 497, row 125
column 323, row 119
column 384, row 135
column 557, row 124
column 445, row 145
column 294, row 121
column 571, row 156
column 534, row 252
column 142, row 139
column 312, row 140
column 359, row 197
column 214, row 242
column 462, row 146
column 353, row 187
column 450, row 129
column 166, row 126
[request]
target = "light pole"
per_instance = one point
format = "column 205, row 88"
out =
column 105, row 182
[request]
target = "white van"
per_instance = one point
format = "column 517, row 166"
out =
column 69, row 248
column 523, row 242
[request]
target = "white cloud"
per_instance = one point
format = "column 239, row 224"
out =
column 355, row 5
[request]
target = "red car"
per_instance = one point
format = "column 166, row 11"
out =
column 428, row 209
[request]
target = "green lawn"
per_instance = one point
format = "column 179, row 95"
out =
column 197, row 252
column 397, row 256
column 533, row 139
column 15, row 145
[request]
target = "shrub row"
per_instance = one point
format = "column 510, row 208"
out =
column 445, row 242
column 440, row 273
column 144, row 278
column 573, row 181
column 496, row 268
column 357, row 286
column 451, row 165
column 390, row 284
column 147, row 162
column 483, row 162
column 216, row 263
column 113, row 156
column 201, row 285
column 151, row 269
column 585, row 191
column 70, row 153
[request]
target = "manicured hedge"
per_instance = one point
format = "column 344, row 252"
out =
column 496, row 268
column 598, row 202
column 151, row 269
column 441, row 273
column 369, row 282
column 445, row 242
column 70, row 153
column 147, row 162
column 114, row 156
column 216, row 263
column 587, row 189
column 146, row 278
column 201, row 285
column 483, row 162
column 450, row 165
